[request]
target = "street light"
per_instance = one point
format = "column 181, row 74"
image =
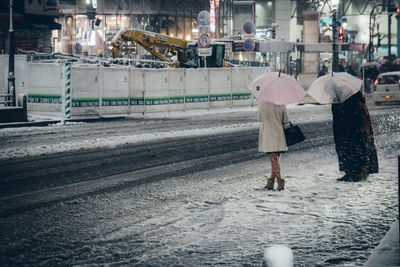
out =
column 11, row 77
column 335, row 55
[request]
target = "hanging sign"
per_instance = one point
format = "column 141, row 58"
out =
column 204, row 40
column 204, row 22
column 249, row 45
column 203, row 18
column 204, row 52
column 249, row 27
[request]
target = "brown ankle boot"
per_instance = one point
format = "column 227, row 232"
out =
column 281, row 184
column 270, row 184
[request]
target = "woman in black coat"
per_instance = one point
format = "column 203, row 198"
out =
column 354, row 139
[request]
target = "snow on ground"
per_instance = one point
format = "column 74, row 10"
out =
column 70, row 139
column 112, row 141
column 227, row 212
column 224, row 217
column 217, row 217
column 298, row 114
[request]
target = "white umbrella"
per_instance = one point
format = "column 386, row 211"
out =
column 334, row 87
column 277, row 88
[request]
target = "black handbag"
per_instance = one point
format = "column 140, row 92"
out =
column 293, row 134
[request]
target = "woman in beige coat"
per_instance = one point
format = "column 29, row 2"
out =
column 272, row 138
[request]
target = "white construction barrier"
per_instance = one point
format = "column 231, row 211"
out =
column 197, row 89
column 106, row 91
column 176, row 90
column 114, row 90
column 156, row 89
column 20, row 74
column 137, row 90
column 220, row 87
column 86, row 90
column 44, row 84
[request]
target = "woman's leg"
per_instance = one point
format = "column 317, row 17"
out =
column 276, row 169
column 273, row 157
column 275, row 165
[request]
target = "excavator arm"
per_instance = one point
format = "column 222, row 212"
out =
column 149, row 41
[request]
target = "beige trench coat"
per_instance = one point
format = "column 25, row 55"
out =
column 272, row 137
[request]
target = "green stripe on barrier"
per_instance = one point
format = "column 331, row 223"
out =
column 44, row 98
column 241, row 96
column 85, row 102
column 85, row 99
column 115, row 99
column 196, row 96
column 123, row 101
column 220, row 97
column 45, row 95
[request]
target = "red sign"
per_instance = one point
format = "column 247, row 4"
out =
column 248, row 27
column 249, row 45
column 204, row 40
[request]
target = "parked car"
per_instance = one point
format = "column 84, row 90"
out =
column 387, row 88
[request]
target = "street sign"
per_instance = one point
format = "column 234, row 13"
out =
column 249, row 45
column 204, row 40
column 249, row 27
column 203, row 18
column 204, row 52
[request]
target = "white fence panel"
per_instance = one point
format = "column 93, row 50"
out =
column 136, row 90
column 176, row 89
column 43, row 82
column 220, row 87
column 241, row 78
column 115, row 95
column 99, row 91
column 156, row 90
column 3, row 73
column 197, row 88
column 85, row 90
column 20, row 74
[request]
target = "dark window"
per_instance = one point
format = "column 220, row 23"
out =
column 388, row 79
column 68, row 2
column 17, row 8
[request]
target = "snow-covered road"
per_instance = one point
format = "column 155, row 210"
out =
column 220, row 216
column 75, row 136
column 215, row 217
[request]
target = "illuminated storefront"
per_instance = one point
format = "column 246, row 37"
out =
column 79, row 35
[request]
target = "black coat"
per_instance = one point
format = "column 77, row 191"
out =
column 353, row 135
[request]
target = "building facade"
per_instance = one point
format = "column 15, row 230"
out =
column 87, row 26
column 33, row 24
column 88, row 29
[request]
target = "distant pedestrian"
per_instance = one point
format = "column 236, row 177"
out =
column 272, row 139
column 321, row 73
column 341, row 68
column 354, row 139
column 298, row 67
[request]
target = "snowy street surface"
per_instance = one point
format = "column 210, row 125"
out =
column 188, row 191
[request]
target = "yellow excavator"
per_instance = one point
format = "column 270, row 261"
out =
column 186, row 54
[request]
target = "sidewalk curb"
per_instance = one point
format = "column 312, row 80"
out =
column 48, row 122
